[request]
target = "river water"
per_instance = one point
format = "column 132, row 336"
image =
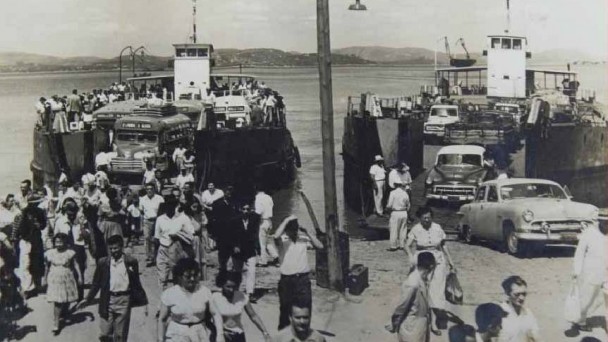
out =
column 300, row 88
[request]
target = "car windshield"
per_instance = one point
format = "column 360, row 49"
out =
column 444, row 112
column 459, row 159
column 532, row 190
column 130, row 136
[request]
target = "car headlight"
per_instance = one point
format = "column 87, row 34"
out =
column 527, row 215
column 127, row 154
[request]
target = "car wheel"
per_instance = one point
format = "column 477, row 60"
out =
column 466, row 235
column 512, row 244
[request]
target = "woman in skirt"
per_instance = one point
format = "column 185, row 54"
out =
column 61, row 278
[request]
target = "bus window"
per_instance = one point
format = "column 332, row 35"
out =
column 506, row 43
column 516, row 44
column 495, row 43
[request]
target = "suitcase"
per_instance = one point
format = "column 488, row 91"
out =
column 358, row 279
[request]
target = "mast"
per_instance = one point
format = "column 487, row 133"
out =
column 194, row 21
column 508, row 18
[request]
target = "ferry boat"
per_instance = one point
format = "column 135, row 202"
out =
column 231, row 145
column 563, row 127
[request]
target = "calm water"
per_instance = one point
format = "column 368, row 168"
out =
column 300, row 87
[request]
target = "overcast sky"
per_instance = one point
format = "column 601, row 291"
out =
column 104, row 27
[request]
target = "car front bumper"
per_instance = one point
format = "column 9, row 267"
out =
column 450, row 198
column 550, row 237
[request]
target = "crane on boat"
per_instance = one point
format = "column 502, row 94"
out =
column 458, row 62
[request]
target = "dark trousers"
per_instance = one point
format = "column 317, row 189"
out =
column 291, row 288
column 234, row 337
column 224, row 253
column 81, row 262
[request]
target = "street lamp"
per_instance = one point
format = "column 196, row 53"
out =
column 357, row 6
column 120, row 62
column 142, row 48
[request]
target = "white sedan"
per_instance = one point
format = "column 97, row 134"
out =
column 522, row 213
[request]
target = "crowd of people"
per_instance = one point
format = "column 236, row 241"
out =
column 47, row 237
column 74, row 111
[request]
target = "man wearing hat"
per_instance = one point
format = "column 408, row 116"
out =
column 378, row 176
column 41, row 111
column 401, row 172
column 398, row 204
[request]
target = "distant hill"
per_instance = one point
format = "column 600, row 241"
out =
column 355, row 55
column 388, row 55
column 27, row 62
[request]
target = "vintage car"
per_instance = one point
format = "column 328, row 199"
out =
column 439, row 116
column 483, row 128
column 524, row 214
column 457, row 172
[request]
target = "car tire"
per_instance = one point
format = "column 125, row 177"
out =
column 466, row 235
column 512, row 244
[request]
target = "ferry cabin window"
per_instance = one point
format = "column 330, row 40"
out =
column 191, row 52
column 516, row 44
column 495, row 43
column 180, row 52
column 506, row 43
column 201, row 52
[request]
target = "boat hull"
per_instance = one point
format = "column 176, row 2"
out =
column 266, row 156
column 572, row 154
column 364, row 137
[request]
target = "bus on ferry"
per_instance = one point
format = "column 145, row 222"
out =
column 149, row 137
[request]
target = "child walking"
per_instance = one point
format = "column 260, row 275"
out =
column 62, row 278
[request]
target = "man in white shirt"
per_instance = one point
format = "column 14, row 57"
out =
column 41, row 111
column 400, row 172
column 519, row 325
column 378, row 177
column 295, row 271
column 150, row 204
column 179, row 155
column 589, row 270
column 183, row 178
column 263, row 206
column 170, row 227
column 211, row 195
column 398, row 204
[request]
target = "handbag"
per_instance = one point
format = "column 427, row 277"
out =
column 453, row 291
column 572, row 307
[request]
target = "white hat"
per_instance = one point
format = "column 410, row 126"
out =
column 378, row 158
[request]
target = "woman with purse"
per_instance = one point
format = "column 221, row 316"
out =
column 411, row 318
column 428, row 236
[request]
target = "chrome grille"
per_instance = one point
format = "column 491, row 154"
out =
column 127, row 164
column 456, row 190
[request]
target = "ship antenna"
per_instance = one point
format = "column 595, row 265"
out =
column 194, row 21
column 508, row 18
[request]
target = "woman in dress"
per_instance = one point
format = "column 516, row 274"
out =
column 12, row 303
column 61, row 278
column 231, row 303
column 186, row 306
column 428, row 236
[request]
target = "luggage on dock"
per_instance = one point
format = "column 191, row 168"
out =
column 358, row 279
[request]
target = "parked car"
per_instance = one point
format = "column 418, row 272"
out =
column 457, row 172
column 524, row 214
column 439, row 116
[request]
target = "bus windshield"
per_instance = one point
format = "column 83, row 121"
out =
column 134, row 136
column 444, row 112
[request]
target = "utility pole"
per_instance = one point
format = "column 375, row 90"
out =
column 332, row 248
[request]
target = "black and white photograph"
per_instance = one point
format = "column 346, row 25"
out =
column 304, row 171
